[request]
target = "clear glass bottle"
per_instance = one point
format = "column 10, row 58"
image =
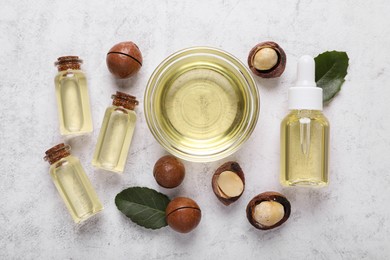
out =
column 116, row 133
column 72, row 183
column 305, row 132
column 72, row 97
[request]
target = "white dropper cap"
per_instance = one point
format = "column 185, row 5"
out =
column 305, row 94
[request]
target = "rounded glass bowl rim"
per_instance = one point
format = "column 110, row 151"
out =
column 254, row 99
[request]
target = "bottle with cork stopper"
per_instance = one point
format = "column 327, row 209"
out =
column 116, row 133
column 72, row 183
column 305, row 132
column 72, row 97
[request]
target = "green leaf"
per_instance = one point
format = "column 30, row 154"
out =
column 331, row 69
column 144, row 206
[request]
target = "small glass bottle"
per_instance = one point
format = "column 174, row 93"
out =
column 72, row 97
column 116, row 133
column 305, row 132
column 72, row 183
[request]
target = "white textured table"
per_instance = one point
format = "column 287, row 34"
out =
column 348, row 220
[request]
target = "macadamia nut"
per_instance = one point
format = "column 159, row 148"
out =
column 169, row 172
column 265, row 59
column 230, row 184
column 124, row 59
column 183, row 214
column 268, row 213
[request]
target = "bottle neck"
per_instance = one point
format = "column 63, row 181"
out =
column 68, row 62
column 306, row 110
column 56, row 153
column 124, row 100
column 301, row 113
column 305, row 98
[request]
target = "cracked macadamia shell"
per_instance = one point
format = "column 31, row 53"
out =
column 230, row 187
column 261, row 58
column 271, row 211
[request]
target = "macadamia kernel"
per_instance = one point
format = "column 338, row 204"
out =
column 230, row 184
column 265, row 59
column 268, row 213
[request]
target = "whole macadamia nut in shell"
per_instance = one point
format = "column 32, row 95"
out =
column 169, row 171
column 124, row 59
column 183, row 214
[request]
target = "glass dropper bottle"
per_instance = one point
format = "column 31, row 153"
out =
column 305, row 132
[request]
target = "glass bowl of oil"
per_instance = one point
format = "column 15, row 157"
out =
column 201, row 104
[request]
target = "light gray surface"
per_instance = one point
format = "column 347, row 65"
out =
column 347, row 220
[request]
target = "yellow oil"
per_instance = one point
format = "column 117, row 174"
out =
column 75, row 188
column 114, row 139
column 201, row 106
column 73, row 102
column 304, row 149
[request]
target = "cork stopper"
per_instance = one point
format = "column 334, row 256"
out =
column 57, row 152
column 124, row 100
column 68, row 63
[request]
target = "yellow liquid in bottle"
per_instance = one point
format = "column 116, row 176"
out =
column 114, row 139
column 75, row 188
column 73, row 102
column 304, row 149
